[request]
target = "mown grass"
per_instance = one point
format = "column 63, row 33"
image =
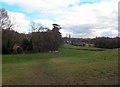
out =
column 70, row 66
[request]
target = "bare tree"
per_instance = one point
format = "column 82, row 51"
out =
column 5, row 22
column 37, row 27
column 33, row 26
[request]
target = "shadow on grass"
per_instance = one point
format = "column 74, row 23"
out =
column 86, row 49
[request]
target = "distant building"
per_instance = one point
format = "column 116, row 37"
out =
column 73, row 41
column 77, row 42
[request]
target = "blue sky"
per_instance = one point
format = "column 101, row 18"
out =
column 80, row 18
column 14, row 8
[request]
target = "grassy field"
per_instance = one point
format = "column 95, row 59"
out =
column 70, row 66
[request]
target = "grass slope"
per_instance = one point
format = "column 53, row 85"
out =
column 70, row 66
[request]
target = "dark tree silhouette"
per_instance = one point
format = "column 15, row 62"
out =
column 48, row 40
column 26, row 45
column 106, row 42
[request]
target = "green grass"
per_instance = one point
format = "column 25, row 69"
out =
column 71, row 66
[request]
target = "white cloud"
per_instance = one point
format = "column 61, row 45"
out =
column 80, row 20
column 97, row 19
column 19, row 21
column 33, row 5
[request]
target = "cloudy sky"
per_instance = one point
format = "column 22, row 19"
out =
column 80, row 18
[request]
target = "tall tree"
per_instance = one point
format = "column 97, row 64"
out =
column 5, row 22
column 9, row 37
column 57, row 36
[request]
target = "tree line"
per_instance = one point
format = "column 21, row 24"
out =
column 41, row 39
column 99, row 42
column 107, row 42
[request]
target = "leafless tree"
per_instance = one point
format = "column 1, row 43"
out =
column 5, row 22
column 37, row 27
